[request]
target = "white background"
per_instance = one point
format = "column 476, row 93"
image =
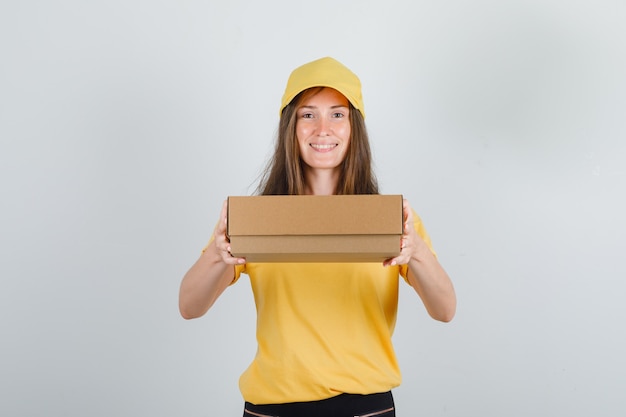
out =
column 125, row 124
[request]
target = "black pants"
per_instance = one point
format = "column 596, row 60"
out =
column 344, row 405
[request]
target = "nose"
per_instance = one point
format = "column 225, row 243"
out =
column 323, row 127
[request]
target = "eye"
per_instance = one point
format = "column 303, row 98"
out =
column 338, row 115
column 306, row 115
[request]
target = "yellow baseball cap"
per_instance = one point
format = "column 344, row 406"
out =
column 324, row 72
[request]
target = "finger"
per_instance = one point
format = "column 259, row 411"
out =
column 408, row 216
column 223, row 222
column 223, row 249
column 389, row 262
column 401, row 259
column 230, row 259
column 398, row 260
column 406, row 208
column 234, row 261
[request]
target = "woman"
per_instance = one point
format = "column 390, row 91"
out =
column 324, row 329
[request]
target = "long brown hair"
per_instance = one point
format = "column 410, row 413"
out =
column 284, row 174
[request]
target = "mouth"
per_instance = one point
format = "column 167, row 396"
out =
column 323, row 147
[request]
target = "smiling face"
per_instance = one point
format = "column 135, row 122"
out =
column 323, row 129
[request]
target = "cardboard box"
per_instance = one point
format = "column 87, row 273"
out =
column 338, row 228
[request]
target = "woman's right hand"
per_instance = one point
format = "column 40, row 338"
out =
column 210, row 275
column 222, row 244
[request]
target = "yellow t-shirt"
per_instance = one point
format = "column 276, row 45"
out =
column 322, row 329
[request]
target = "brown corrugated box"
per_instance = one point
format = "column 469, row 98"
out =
column 338, row 228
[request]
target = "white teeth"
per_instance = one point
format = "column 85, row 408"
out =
column 317, row 146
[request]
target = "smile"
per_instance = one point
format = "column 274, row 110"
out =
column 325, row 147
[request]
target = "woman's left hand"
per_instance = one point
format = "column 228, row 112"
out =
column 425, row 274
column 411, row 244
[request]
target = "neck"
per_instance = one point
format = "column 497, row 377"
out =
column 321, row 182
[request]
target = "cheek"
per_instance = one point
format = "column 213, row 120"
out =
column 300, row 139
column 301, row 136
column 302, row 132
column 344, row 132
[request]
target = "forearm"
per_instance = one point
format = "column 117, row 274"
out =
column 432, row 284
column 205, row 281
